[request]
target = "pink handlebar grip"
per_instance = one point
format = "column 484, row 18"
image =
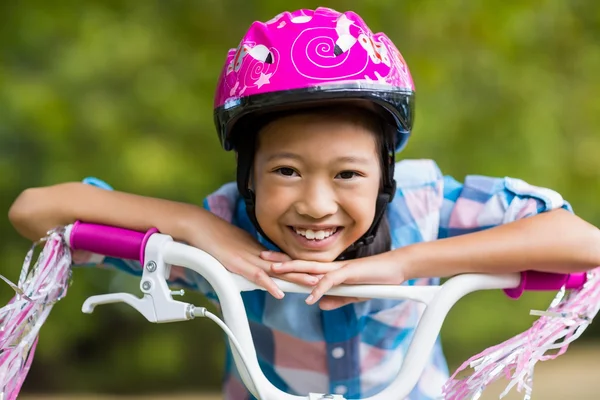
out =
column 109, row 240
column 540, row 281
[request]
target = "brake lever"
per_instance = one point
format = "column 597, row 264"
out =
column 157, row 304
column 144, row 306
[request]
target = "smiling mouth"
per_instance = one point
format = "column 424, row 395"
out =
column 316, row 235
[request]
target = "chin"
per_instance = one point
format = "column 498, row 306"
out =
column 318, row 256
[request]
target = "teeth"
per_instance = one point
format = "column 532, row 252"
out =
column 318, row 235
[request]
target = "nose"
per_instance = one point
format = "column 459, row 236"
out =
column 317, row 200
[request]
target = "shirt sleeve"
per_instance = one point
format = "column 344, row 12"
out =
column 179, row 277
column 485, row 202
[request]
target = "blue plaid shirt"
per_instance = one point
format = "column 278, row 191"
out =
column 358, row 349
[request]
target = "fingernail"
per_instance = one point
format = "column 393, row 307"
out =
column 280, row 294
column 276, row 265
column 309, row 299
column 265, row 253
column 312, row 280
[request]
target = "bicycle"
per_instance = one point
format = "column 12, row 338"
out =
column 157, row 252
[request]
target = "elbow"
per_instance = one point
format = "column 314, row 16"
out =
column 586, row 245
column 22, row 208
column 580, row 240
column 24, row 212
column 32, row 212
column 595, row 248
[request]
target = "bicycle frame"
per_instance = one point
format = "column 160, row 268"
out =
column 158, row 252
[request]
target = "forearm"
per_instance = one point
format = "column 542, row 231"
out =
column 37, row 210
column 556, row 241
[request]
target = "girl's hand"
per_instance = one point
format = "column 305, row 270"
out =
column 379, row 269
column 241, row 254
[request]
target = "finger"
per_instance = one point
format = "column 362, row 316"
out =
column 294, row 277
column 262, row 279
column 274, row 256
column 300, row 279
column 328, row 281
column 332, row 302
column 308, row 267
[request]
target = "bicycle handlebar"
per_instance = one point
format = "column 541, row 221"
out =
column 128, row 244
column 161, row 250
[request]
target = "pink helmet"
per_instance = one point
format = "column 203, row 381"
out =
column 305, row 57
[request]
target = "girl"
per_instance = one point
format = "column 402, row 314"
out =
column 316, row 106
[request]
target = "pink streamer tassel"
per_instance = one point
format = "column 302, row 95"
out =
column 565, row 320
column 21, row 319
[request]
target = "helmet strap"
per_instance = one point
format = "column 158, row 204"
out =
column 245, row 161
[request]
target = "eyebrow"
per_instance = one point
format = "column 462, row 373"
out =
column 352, row 159
column 277, row 156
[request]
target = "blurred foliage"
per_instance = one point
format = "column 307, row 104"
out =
column 122, row 90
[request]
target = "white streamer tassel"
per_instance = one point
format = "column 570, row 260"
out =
column 566, row 319
column 21, row 319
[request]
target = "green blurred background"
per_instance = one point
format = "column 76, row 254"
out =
column 122, row 90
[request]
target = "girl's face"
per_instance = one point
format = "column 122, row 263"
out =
column 316, row 181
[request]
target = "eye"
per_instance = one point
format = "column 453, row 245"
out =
column 285, row 171
column 347, row 175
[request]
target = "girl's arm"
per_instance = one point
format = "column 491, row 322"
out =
column 555, row 241
column 38, row 210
